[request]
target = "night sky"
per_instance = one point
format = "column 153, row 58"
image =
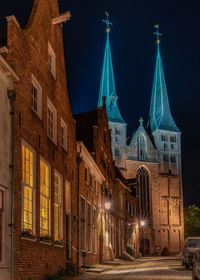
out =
column 134, row 52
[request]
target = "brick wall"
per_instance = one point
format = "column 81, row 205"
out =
column 28, row 54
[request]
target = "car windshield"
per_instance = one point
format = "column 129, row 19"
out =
column 193, row 243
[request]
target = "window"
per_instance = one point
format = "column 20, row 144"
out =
column 117, row 132
column 45, row 198
column 83, row 224
column 58, row 206
column 36, row 97
column 141, row 148
column 67, row 197
column 51, row 60
column 89, row 226
column 51, row 121
column 28, row 188
column 173, row 138
column 165, row 146
column 95, row 185
column 165, row 157
column 117, row 153
column 91, row 180
column 63, row 134
column 163, row 137
column 143, row 199
column 94, row 237
column 173, row 158
column 172, row 146
column 68, row 218
column 86, row 175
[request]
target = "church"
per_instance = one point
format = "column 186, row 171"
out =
column 152, row 157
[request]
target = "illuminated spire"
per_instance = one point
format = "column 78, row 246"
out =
column 160, row 114
column 107, row 85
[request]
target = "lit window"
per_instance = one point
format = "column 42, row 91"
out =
column 51, row 60
column 51, row 122
column 63, row 134
column 45, row 198
column 58, row 220
column 83, row 224
column 94, row 237
column 36, row 97
column 89, row 226
column 28, row 188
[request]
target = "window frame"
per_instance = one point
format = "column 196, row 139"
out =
column 64, row 135
column 60, row 207
column 23, row 184
column 37, row 86
column 83, row 222
column 52, row 108
column 52, row 64
column 49, row 197
column 89, row 227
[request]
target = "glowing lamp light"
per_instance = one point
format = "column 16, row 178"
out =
column 142, row 223
column 107, row 205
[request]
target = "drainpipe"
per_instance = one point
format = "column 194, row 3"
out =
column 12, row 97
column 79, row 160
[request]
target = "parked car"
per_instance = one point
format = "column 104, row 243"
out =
column 191, row 246
column 196, row 266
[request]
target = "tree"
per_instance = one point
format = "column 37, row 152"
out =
column 192, row 221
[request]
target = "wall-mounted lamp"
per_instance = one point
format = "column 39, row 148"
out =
column 107, row 205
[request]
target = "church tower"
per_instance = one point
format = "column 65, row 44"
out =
column 163, row 128
column 108, row 90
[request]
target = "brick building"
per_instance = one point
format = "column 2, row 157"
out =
column 45, row 165
column 152, row 158
column 113, row 195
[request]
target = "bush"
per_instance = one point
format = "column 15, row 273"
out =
column 59, row 275
column 130, row 251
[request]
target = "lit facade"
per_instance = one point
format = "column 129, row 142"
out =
column 153, row 158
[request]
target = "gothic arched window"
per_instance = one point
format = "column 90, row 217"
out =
column 141, row 148
column 143, row 196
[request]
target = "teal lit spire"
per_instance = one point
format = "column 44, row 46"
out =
column 160, row 114
column 107, row 85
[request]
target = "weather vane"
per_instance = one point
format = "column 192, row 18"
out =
column 157, row 33
column 107, row 22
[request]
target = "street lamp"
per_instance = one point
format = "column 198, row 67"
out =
column 107, row 205
column 142, row 223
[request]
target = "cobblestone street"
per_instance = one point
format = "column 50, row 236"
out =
column 146, row 268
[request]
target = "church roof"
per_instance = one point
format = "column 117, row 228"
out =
column 141, row 130
column 107, row 86
column 160, row 114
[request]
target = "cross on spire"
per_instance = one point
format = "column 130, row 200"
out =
column 141, row 121
column 157, row 33
column 107, row 22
